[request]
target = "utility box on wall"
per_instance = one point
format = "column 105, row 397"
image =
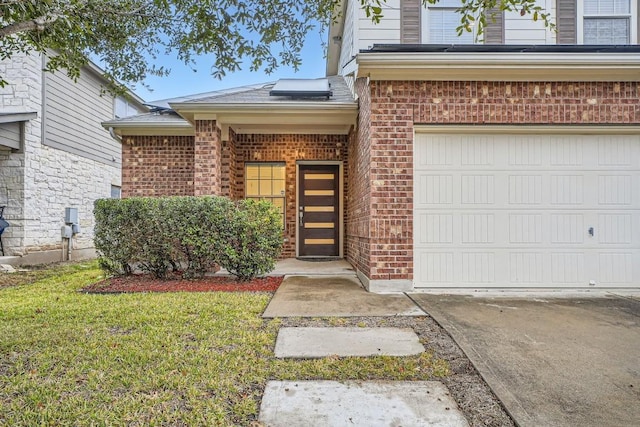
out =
column 71, row 216
column 71, row 219
column 65, row 231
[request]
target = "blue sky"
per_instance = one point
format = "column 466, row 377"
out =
column 184, row 81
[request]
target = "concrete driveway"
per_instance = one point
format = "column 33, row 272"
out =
column 552, row 362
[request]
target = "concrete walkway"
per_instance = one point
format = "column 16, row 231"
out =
column 305, row 343
column 350, row 403
column 359, row 404
column 335, row 295
column 551, row 361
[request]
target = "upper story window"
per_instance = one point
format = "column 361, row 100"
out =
column 441, row 23
column 124, row 108
column 607, row 22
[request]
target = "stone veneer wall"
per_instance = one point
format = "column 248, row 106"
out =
column 396, row 106
column 22, row 94
column 57, row 180
column 286, row 148
column 38, row 183
column 157, row 166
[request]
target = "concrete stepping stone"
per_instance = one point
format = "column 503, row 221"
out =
column 359, row 404
column 304, row 343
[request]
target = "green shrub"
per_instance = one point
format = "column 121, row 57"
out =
column 157, row 234
column 252, row 239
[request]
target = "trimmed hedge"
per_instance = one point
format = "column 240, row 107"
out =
column 160, row 234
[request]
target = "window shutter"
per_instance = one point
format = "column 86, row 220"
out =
column 410, row 21
column 566, row 21
column 494, row 31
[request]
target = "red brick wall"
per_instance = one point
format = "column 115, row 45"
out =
column 287, row 149
column 395, row 107
column 229, row 166
column 157, row 166
column 358, row 218
column 513, row 102
column 207, row 159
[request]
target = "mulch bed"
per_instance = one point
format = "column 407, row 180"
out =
column 175, row 283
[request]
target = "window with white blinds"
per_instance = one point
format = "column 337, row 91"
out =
column 442, row 21
column 606, row 22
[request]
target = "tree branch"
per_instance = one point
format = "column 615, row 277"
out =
column 37, row 24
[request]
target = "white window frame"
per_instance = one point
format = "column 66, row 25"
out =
column 269, row 197
column 424, row 23
column 633, row 21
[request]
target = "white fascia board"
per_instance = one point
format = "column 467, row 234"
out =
column 155, row 131
column 336, row 29
column 133, row 124
column 499, row 66
column 149, row 128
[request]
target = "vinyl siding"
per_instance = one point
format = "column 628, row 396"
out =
column 10, row 135
column 387, row 31
column 524, row 30
column 72, row 115
column 349, row 35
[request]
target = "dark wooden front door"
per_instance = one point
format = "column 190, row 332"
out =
column 318, row 214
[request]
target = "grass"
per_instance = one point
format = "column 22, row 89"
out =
column 68, row 358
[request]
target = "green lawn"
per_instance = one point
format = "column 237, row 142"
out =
column 67, row 358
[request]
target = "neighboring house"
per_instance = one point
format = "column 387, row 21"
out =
column 437, row 162
column 55, row 155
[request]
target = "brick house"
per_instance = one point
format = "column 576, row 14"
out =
column 436, row 162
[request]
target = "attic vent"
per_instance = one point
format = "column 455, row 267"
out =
column 302, row 88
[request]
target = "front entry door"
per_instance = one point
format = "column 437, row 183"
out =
column 318, row 210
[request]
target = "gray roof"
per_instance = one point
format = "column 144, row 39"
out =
column 166, row 117
column 164, row 103
column 260, row 95
column 251, row 94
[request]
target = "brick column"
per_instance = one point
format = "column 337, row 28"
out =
column 207, row 159
column 228, row 176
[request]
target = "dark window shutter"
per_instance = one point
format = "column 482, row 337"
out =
column 566, row 21
column 410, row 21
column 494, row 31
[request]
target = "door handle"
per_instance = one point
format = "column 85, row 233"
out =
column 301, row 216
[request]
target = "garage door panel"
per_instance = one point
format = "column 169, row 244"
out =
column 517, row 210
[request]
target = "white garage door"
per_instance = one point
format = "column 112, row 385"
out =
column 526, row 211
